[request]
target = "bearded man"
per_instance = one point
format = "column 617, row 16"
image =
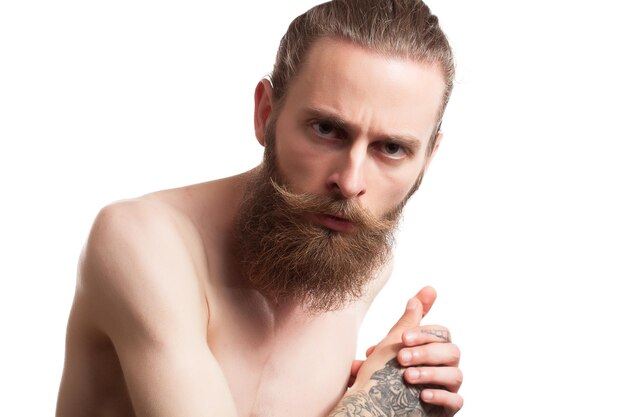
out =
column 243, row 296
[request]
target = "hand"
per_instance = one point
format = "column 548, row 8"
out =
column 431, row 360
column 379, row 389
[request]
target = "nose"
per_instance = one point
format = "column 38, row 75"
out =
column 348, row 176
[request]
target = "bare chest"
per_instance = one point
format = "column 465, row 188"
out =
column 300, row 369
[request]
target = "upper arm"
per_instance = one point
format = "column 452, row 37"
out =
column 140, row 280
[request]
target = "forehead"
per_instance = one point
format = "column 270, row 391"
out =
column 380, row 93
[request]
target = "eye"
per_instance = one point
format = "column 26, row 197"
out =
column 393, row 150
column 326, row 130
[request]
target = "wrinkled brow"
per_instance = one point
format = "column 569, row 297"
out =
column 407, row 140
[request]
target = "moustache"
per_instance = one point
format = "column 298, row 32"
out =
column 301, row 203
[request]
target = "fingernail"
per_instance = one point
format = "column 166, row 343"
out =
column 412, row 304
column 427, row 395
column 413, row 374
column 405, row 357
column 410, row 337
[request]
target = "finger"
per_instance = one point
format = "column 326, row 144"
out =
column 452, row 402
column 369, row 351
column 447, row 377
column 426, row 334
column 356, row 365
column 435, row 354
column 427, row 297
column 354, row 370
column 411, row 318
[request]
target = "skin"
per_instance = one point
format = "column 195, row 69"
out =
column 388, row 118
column 380, row 391
column 438, row 363
column 162, row 323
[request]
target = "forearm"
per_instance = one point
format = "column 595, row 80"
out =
column 385, row 395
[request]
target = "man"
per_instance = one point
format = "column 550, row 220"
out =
column 243, row 296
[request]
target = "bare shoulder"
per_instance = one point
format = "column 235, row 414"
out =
column 140, row 268
column 141, row 289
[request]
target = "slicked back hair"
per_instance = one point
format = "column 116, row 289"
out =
column 399, row 28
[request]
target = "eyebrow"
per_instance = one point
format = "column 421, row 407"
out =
column 406, row 140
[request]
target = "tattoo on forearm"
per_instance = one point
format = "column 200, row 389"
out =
column 390, row 396
column 440, row 334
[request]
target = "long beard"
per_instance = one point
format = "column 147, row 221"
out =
column 287, row 257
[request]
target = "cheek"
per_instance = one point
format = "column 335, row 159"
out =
column 393, row 186
column 302, row 166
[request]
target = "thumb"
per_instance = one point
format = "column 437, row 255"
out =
column 411, row 317
column 427, row 296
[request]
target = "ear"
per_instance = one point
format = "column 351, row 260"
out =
column 262, row 108
column 430, row 157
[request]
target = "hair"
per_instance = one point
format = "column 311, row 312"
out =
column 400, row 28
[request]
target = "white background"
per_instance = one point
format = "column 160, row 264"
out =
column 519, row 223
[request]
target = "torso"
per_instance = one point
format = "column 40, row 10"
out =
column 300, row 367
column 275, row 364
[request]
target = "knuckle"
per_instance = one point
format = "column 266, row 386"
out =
column 458, row 378
column 455, row 352
column 423, row 355
column 438, row 332
column 457, row 402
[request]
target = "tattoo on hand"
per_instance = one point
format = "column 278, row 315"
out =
column 390, row 396
column 440, row 334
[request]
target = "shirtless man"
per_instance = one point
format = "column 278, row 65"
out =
column 243, row 296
